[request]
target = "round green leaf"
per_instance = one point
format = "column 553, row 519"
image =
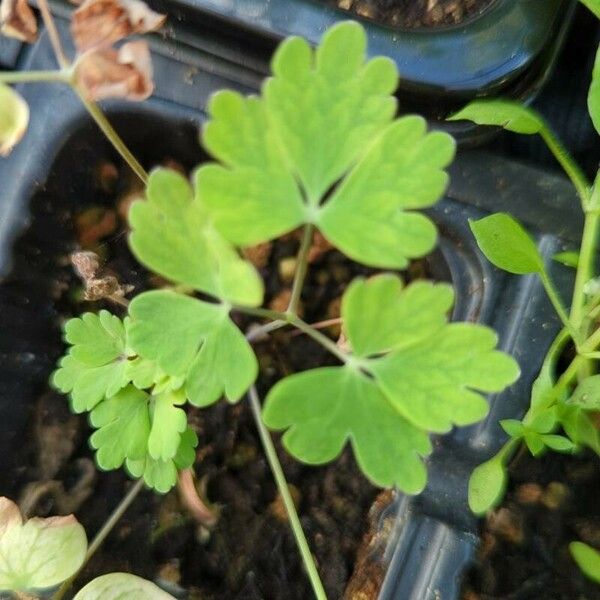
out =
column 487, row 485
column 121, row 586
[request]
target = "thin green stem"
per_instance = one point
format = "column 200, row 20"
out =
column 585, row 268
column 264, row 313
column 301, row 268
column 112, row 135
column 101, row 535
column 558, row 306
column 321, row 339
column 53, row 34
column 36, row 76
column 255, row 334
column 284, row 492
column 570, row 167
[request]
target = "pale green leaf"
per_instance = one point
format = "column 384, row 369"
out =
column 513, row 427
column 587, row 394
column 593, row 5
column 507, row 245
column 534, row 442
column 569, row 258
column 586, row 557
column 435, row 382
column 39, row 553
column 326, row 106
column 558, row 443
column 173, row 235
column 510, row 115
column 254, row 197
column 168, row 328
column 14, row 118
column 577, row 425
column 380, row 315
column 487, row 485
column 168, row 423
column 594, row 93
column 121, row 586
column 226, row 365
column 123, row 424
column 324, row 408
column 370, row 215
column 143, row 373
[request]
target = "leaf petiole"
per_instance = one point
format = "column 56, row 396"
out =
column 56, row 76
column 301, row 268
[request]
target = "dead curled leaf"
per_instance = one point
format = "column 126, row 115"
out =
column 101, row 23
column 17, row 20
column 98, row 283
column 123, row 73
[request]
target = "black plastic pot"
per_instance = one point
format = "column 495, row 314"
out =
column 433, row 536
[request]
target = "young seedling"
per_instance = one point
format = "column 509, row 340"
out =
column 38, row 554
column 320, row 149
column 562, row 403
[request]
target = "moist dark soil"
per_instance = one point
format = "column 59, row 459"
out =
column 524, row 552
column 250, row 553
column 413, row 14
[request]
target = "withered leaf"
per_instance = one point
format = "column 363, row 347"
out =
column 17, row 20
column 99, row 284
column 101, row 23
column 123, row 73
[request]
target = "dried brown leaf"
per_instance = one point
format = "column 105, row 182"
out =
column 99, row 284
column 17, row 20
column 101, row 23
column 123, row 73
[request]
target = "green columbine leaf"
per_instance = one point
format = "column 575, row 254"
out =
column 507, row 245
column 510, row 115
column 254, row 197
column 381, row 315
column 123, row 425
column 487, row 485
column 168, row 328
column 168, row 423
column 174, row 236
column 38, row 553
column 569, row 258
column 144, row 373
column 161, row 475
column 593, row 5
column 117, row 586
column 327, row 106
column 587, row 394
column 320, row 146
column 96, row 364
column 14, row 117
column 425, row 382
column 226, row 365
column 587, row 559
column 369, row 215
column 325, row 408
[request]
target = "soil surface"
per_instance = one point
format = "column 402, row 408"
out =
column 250, row 553
column 412, row 14
column 524, row 553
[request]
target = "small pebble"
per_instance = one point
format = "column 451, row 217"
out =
column 555, row 495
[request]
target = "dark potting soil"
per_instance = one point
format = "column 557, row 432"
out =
column 412, row 14
column 524, row 552
column 251, row 553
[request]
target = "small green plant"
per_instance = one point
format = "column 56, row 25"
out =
column 563, row 403
column 319, row 149
column 38, row 554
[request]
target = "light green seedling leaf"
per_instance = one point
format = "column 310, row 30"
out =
column 168, row 328
column 594, row 93
column 327, row 106
column 487, row 485
column 225, row 365
column 370, row 215
column 161, row 475
column 513, row 427
column 168, row 423
column 558, row 443
column 123, row 424
column 593, row 5
column 510, row 115
column 324, row 408
column 507, row 245
column 380, row 314
column 144, row 373
column 577, row 425
column 436, row 383
column 96, row 364
column 14, row 118
column 569, row 258
column 38, row 553
column 587, row 394
column 587, row 559
column 254, row 197
column 118, row 586
column 173, row 235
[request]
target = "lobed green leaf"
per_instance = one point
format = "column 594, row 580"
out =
column 118, row 586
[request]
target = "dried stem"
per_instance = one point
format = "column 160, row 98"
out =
column 63, row 61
